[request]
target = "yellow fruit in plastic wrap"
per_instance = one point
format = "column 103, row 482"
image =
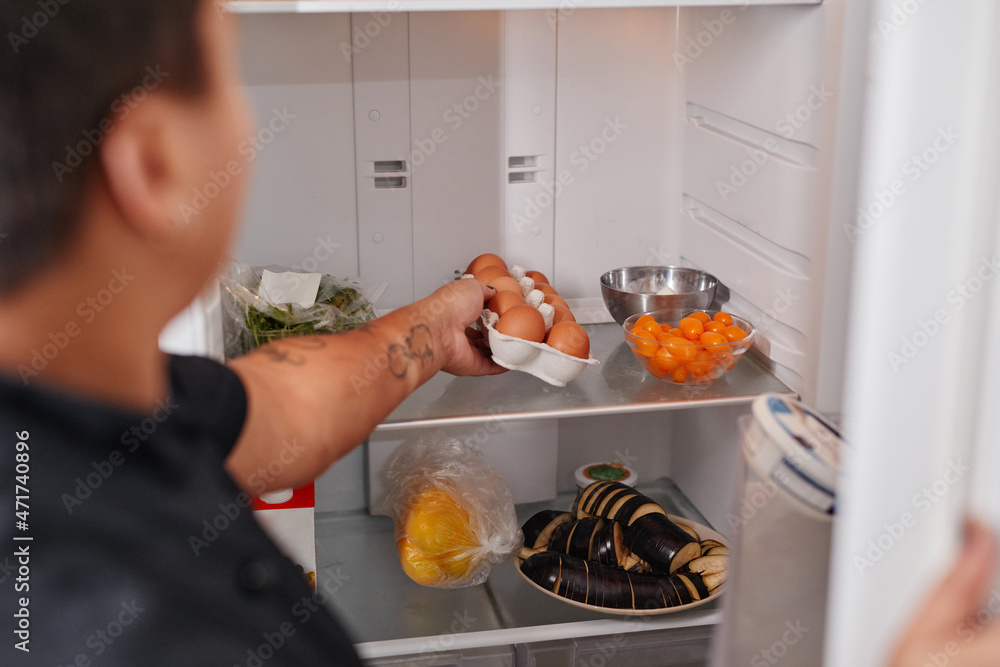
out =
column 437, row 543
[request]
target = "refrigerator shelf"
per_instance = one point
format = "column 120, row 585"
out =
column 389, row 615
column 342, row 6
column 618, row 385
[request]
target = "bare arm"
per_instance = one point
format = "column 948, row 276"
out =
column 953, row 626
column 313, row 399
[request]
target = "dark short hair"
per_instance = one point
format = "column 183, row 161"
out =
column 69, row 70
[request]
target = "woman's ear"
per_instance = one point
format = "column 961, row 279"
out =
column 145, row 164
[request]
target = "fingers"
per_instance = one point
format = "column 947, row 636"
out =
column 471, row 295
column 949, row 617
column 971, row 580
column 465, row 355
column 980, row 650
column 488, row 291
column 960, row 594
column 484, row 364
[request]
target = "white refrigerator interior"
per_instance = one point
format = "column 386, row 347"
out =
column 399, row 140
column 575, row 140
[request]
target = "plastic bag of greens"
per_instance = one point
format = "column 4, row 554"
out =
column 454, row 515
column 253, row 317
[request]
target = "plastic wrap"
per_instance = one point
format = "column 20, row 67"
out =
column 250, row 320
column 454, row 515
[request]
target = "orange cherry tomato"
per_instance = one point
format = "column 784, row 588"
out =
column 715, row 327
column 675, row 332
column 646, row 345
column 664, row 362
column 651, row 365
column 642, row 320
column 701, row 316
column 725, row 318
column 703, row 363
column 711, row 340
column 681, row 348
column 734, row 333
column 691, row 327
column 651, row 326
column 700, row 369
column 679, row 374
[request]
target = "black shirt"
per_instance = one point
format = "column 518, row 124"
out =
column 142, row 549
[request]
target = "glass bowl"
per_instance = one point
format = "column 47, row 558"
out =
column 681, row 359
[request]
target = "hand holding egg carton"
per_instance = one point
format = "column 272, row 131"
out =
column 530, row 328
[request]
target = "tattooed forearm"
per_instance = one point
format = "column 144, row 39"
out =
column 289, row 350
column 419, row 346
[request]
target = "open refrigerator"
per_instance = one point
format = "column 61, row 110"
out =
column 831, row 163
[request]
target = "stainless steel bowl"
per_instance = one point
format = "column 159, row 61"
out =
column 633, row 289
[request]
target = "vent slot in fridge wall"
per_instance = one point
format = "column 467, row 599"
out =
column 381, row 131
column 457, row 93
column 531, row 193
column 428, row 110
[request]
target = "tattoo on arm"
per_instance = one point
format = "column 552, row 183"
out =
column 419, row 346
column 284, row 351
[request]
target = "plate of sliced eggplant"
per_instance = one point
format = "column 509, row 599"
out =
column 618, row 552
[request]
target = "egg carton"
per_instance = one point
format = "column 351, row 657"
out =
column 538, row 359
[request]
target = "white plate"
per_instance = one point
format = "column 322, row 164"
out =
column 704, row 533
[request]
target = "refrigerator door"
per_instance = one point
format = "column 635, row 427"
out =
column 920, row 377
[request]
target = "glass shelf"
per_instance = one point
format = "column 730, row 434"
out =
column 617, row 385
column 389, row 615
column 340, row 6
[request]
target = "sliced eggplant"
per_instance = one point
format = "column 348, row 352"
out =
column 538, row 529
column 649, row 533
column 713, row 581
column 584, row 581
column 695, row 586
column 709, row 564
column 711, row 568
column 599, row 540
column 708, row 545
column 688, row 529
column 657, row 540
column 581, row 537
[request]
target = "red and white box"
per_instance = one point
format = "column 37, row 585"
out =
column 288, row 517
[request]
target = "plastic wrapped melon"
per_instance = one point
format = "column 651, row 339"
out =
column 454, row 515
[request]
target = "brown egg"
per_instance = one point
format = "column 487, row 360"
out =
column 569, row 337
column 504, row 301
column 522, row 322
column 507, row 284
column 554, row 299
column 545, row 288
column 483, row 261
column 562, row 313
column 488, row 274
column 537, row 276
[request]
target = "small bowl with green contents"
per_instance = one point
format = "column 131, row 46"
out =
column 603, row 471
